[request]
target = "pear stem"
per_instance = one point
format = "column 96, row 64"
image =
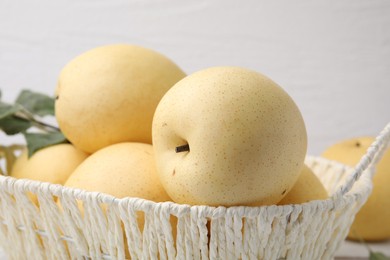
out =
column 182, row 148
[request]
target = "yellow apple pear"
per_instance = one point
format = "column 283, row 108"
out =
column 108, row 95
column 228, row 136
column 372, row 222
column 121, row 170
column 307, row 188
column 52, row 164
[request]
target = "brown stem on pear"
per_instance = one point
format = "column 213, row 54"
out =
column 357, row 144
column 182, row 148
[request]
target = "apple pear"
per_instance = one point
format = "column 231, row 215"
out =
column 228, row 136
column 52, row 164
column 372, row 222
column 122, row 170
column 108, row 95
column 307, row 188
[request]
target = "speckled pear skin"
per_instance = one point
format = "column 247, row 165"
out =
column 108, row 95
column 246, row 136
column 307, row 188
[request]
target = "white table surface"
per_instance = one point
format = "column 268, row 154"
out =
column 355, row 250
column 349, row 250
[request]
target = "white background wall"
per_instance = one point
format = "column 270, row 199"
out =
column 332, row 57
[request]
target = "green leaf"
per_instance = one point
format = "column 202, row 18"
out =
column 378, row 256
column 36, row 103
column 7, row 109
column 12, row 125
column 36, row 141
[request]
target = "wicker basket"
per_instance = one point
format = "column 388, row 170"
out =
column 108, row 229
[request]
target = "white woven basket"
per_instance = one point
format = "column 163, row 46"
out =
column 312, row 230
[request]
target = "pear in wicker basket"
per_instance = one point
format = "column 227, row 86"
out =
column 307, row 188
column 53, row 164
column 121, row 170
column 228, row 136
column 108, row 95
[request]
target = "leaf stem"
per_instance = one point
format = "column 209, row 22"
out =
column 27, row 116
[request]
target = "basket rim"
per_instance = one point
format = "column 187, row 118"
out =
column 146, row 205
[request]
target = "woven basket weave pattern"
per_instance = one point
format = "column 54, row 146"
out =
column 107, row 228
